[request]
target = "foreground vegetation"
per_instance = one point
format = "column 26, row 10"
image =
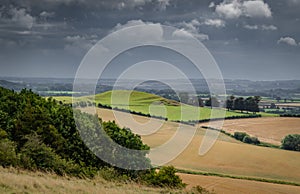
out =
column 40, row 134
column 21, row 181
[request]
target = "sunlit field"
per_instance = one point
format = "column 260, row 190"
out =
column 155, row 105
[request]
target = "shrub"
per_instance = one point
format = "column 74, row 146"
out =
column 251, row 140
column 240, row 135
column 3, row 134
column 291, row 142
column 165, row 177
column 111, row 174
column 35, row 155
column 8, row 156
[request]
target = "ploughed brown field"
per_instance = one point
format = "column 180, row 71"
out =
column 267, row 129
column 227, row 156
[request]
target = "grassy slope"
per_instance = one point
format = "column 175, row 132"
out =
column 153, row 104
column 16, row 181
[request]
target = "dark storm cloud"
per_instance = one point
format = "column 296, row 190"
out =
column 233, row 30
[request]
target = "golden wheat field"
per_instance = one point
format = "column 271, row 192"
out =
column 267, row 129
column 227, row 156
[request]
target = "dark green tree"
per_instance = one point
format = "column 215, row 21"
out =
column 212, row 102
column 239, row 104
column 229, row 102
column 251, row 104
column 291, row 142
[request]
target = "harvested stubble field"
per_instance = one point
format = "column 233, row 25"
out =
column 227, row 156
column 267, row 129
column 237, row 186
column 291, row 104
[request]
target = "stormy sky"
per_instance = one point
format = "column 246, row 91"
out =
column 249, row 39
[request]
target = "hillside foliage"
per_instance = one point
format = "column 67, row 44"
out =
column 41, row 134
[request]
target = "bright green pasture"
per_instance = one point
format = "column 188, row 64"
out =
column 153, row 104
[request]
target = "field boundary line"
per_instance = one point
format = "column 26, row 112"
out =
column 237, row 177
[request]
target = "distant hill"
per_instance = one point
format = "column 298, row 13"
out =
column 12, row 85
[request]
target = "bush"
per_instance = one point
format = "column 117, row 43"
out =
column 165, row 177
column 251, row 140
column 35, row 155
column 291, row 142
column 3, row 134
column 8, row 156
column 111, row 174
column 240, row 135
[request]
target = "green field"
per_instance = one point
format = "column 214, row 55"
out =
column 155, row 105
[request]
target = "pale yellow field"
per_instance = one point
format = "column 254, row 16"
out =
column 290, row 104
column 266, row 129
column 227, row 156
column 242, row 160
column 165, row 132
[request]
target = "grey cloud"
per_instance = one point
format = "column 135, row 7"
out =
column 260, row 27
column 256, row 8
column 190, row 28
column 108, row 4
column 162, row 4
column 269, row 27
column 287, row 40
column 229, row 10
column 251, row 27
column 233, row 9
column 18, row 17
column 46, row 14
column 79, row 44
column 211, row 4
column 67, row 27
column 215, row 22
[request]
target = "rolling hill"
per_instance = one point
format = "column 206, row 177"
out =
column 155, row 105
column 228, row 156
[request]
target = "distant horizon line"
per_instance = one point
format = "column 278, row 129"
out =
column 108, row 78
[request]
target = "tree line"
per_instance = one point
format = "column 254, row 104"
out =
column 249, row 104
